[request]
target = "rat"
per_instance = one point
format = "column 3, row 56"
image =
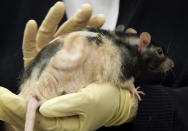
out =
column 74, row 60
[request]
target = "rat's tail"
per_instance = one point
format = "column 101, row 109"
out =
column 32, row 106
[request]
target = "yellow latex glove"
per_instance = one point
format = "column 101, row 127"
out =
column 35, row 39
column 13, row 109
column 96, row 105
column 92, row 107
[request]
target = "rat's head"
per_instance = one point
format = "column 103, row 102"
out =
column 152, row 56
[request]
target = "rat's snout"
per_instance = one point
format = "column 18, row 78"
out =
column 171, row 63
column 167, row 65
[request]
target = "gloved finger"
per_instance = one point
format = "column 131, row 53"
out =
column 96, row 21
column 126, row 110
column 29, row 40
column 50, row 24
column 76, row 103
column 9, row 100
column 78, row 20
column 72, row 104
column 68, row 123
column 3, row 90
column 14, row 108
column 57, row 124
column 131, row 30
column 2, row 113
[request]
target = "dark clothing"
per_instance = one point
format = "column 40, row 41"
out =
column 156, row 111
column 164, row 108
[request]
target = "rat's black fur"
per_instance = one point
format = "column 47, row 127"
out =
column 41, row 60
column 133, row 61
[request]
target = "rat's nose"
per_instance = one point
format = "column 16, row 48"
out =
column 171, row 63
column 167, row 64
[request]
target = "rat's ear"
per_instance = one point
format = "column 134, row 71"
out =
column 73, row 54
column 145, row 40
column 131, row 31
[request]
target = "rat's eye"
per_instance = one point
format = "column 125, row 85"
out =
column 160, row 51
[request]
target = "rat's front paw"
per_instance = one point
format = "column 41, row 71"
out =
column 137, row 93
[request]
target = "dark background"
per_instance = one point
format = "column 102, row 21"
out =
column 166, row 20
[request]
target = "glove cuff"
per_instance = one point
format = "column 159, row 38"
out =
column 127, row 109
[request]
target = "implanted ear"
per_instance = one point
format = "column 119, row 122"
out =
column 145, row 40
column 73, row 54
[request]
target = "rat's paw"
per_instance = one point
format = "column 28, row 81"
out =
column 137, row 93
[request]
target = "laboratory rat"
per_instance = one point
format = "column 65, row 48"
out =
column 74, row 60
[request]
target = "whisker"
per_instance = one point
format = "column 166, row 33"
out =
column 171, row 55
column 168, row 47
column 165, row 74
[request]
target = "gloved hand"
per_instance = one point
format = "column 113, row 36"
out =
column 90, row 108
column 96, row 105
column 34, row 40
column 13, row 109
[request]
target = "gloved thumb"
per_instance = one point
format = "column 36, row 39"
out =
column 12, row 108
column 78, row 103
column 67, row 105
